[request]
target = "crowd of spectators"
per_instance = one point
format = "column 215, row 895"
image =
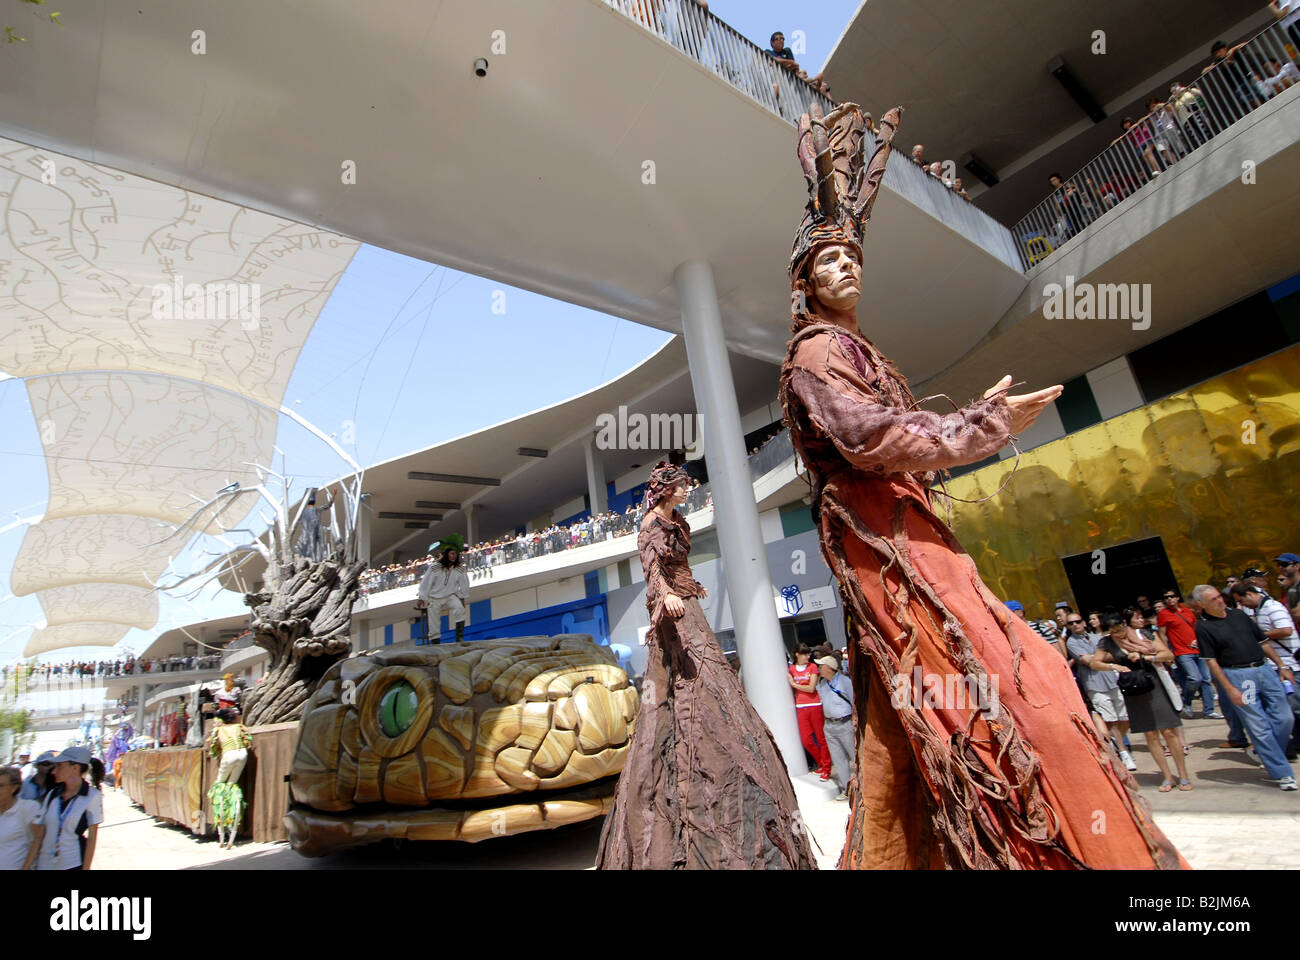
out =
column 480, row 558
column 85, row 671
column 1238, row 79
column 938, row 169
column 1140, row 669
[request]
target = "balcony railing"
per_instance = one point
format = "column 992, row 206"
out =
column 481, row 559
column 1195, row 114
column 739, row 61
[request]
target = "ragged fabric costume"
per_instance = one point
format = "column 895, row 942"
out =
column 704, row 785
column 1010, row 774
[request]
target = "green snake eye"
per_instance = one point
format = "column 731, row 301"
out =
column 397, row 709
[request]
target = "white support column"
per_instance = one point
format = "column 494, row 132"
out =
column 597, row 493
column 142, row 690
column 744, row 559
column 364, row 517
column 471, row 528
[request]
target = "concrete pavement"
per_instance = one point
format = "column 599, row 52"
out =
column 1233, row 819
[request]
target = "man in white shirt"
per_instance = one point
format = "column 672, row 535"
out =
column 446, row 587
column 1273, row 620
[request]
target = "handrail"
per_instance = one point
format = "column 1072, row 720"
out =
column 736, row 59
column 481, row 558
column 1194, row 114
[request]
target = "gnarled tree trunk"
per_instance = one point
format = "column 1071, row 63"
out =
column 305, row 623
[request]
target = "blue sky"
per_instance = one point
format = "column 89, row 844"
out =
column 405, row 355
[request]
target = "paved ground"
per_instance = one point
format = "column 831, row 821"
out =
column 1233, row 819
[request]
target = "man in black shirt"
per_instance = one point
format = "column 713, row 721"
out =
column 1236, row 650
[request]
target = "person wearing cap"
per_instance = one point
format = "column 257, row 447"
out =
column 445, row 586
column 67, row 827
column 41, row 780
column 1044, row 629
column 1289, row 565
column 1256, row 578
column 836, row 692
column 16, row 816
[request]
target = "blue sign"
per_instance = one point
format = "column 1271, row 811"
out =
column 793, row 599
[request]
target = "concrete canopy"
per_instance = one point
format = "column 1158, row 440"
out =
column 975, row 78
column 585, row 171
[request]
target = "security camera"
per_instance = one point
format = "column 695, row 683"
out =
column 480, row 67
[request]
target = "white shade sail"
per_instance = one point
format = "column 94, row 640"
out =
column 157, row 330
column 109, row 602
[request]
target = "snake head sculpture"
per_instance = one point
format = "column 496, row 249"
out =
column 460, row 741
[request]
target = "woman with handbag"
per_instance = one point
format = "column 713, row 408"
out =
column 1138, row 656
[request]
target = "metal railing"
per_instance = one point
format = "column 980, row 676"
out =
column 742, row 63
column 1253, row 73
column 482, row 558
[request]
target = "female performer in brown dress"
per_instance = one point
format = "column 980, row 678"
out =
column 704, row 785
column 1002, row 769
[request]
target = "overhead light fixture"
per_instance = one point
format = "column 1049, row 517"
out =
column 980, row 170
column 1058, row 68
column 396, row 515
column 452, row 478
column 416, row 526
column 436, row 505
column 531, row 452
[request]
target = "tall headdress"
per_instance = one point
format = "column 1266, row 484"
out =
column 842, row 184
column 663, row 478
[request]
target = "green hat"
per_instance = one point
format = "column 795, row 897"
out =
column 453, row 541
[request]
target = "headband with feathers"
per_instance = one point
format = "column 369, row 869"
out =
column 842, row 184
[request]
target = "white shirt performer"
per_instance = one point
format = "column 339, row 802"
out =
column 445, row 586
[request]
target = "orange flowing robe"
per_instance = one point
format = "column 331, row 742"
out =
column 991, row 761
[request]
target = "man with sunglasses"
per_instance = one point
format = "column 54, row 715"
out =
column 1177, row 626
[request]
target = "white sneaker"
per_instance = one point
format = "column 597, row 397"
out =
column 1128, row 760
column 1287, row 783
column 1253, row 757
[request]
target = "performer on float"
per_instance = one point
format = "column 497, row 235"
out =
column 311, row 543
column 445, row 586
column 1013, row 775
column 704, row 785
column 229, row 694
column 229, row 741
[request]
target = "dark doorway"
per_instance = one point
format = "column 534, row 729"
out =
column 811, row 630
column 1114, row 577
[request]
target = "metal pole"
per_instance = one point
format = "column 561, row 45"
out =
column 744, row 559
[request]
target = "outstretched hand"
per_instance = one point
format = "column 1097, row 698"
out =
column 1025, row 407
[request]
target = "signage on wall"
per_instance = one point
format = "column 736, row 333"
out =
column 791, row 601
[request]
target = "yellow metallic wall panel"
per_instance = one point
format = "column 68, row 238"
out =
column 1213, row 471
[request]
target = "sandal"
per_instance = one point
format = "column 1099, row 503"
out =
column 1184, row 784
column 1166, row 786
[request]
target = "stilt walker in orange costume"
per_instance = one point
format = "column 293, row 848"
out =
column 1012, row 776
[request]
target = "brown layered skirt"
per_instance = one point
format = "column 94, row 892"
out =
column 704, row 785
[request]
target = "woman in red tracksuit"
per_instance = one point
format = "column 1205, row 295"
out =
column 808, row 707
